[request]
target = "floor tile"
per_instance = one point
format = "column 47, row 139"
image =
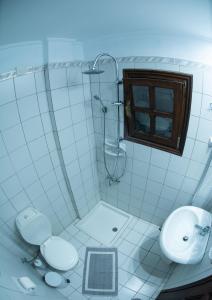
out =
column 142, row 272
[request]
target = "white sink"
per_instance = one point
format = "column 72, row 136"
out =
column 180, row 239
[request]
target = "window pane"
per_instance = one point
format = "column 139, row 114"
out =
column 163, row 127
column 141, row 95
column 164, row 99
column 142, row 122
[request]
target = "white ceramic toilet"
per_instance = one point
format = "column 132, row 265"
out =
column 35, row 229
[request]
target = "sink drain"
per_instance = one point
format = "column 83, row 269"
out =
column 114, row 229
column 185, row 238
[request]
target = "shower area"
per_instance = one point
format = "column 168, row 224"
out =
column 64, row 154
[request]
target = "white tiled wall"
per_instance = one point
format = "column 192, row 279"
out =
column 70, row 91
column 30, row 173
column 155, row 182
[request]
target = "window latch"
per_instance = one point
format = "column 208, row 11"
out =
column 128, row 110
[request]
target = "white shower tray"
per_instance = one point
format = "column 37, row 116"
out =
column 100, row 222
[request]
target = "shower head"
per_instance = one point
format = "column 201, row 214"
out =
column 93, row 71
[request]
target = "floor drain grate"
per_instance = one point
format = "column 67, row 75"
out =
column 114, row 229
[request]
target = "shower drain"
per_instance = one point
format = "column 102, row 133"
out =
column 185, row 238
column 114, row 229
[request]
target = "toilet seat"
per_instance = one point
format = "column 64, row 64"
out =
column 59, row 253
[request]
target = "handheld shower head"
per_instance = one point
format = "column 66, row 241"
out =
column 104, row 108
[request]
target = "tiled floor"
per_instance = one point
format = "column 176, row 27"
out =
column 142, row 272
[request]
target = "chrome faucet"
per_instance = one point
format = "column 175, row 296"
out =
column 203, row 230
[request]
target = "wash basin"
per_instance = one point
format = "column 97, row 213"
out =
column 181, row 239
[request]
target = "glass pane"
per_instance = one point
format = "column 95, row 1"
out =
column 141, row 95
column 142, row 122
column 163, row 127
column 164, row 99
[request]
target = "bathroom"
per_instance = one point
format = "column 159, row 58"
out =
column 80, row 169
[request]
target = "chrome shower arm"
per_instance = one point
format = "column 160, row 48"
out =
column 113, row 58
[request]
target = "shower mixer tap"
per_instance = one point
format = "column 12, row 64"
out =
column 203, row 230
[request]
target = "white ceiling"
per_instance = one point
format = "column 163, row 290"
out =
column 27, row 20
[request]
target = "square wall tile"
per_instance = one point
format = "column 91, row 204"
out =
column 178, row 164
column 20, row 201
column 7, row 211
column 78, row 113
column 76, row 94
column 38, row 148
column 21, row 158
column 174, row 180
column 151, row 198
column 25, row 85
column 69, row 154
column 142, row 152
column 40, row 81
column 28, row 107
column 27, row 176
column 49, row 180
column 80, row 130
column 154, row 187
column 9, row 116
column 33, row 128
column 57, row 78
column 189, row 185
column 195, row 170
column 6, row 169
column 82, row 146
column 157, row 174
column 14, row 138
column 192, row 126
column 42, row 101
column 46, row 122
column 160, row 158
column 43, row 165
column 74, row 75
column 206, row 107
column 60, row 98
column 63, row 118
column 138, row 181
column 200, row 152
column 11, row 186
column 205, row 126
column 34, row 190
column 66, row 137
column 169, row 193
column 140, row 167
column 196, row 104
column 188, row 148
column 7, row 92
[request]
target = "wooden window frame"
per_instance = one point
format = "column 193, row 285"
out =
column 181, row 84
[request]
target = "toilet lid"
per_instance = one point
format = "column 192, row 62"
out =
column 59, row 253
